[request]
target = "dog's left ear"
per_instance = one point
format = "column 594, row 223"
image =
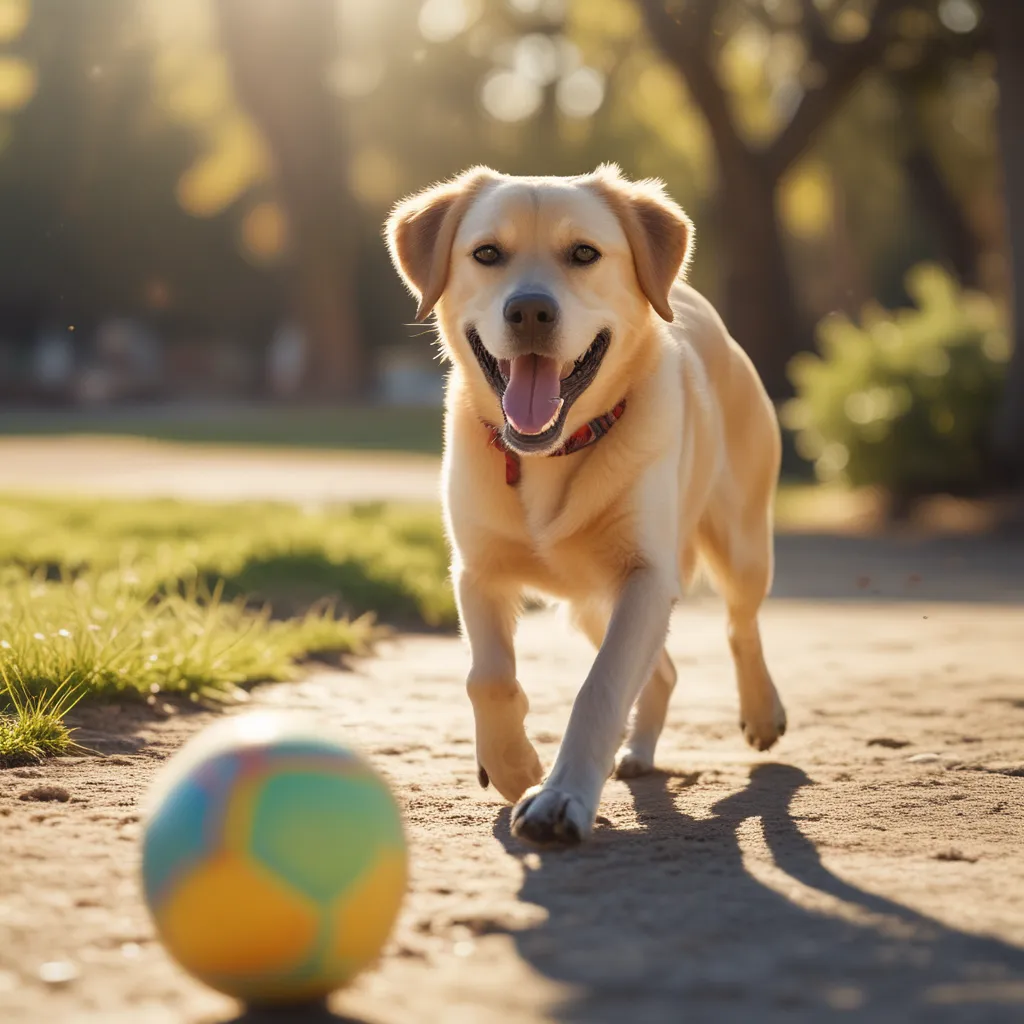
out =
column 659, row 232
column 420, row 231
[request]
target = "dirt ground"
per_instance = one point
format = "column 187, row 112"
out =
column 126, row 467
column 868, row 869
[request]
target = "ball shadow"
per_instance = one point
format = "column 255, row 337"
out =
column 310, row 1013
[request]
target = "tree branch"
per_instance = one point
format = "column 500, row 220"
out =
column 698, row 16
column 814, row 29
column 844, row 63
column 683, row 36
column 756, row 10
column 682, row 31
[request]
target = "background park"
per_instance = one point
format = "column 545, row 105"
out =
column 219, row 443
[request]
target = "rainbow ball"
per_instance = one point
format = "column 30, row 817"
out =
column 273, row 861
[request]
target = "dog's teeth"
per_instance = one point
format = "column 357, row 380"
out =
column 551, row 422
column 547, row 426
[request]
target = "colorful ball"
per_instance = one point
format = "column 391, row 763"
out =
column 274, row 862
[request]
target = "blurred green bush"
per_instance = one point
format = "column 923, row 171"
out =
column 904, row 400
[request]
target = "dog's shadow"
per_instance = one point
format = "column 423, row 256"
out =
column 665, row 922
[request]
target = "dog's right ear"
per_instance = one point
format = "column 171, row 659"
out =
column 420, row 231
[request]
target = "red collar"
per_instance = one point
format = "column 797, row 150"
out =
column 590, row 433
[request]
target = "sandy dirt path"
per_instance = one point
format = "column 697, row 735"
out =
column 121, row 467
column 869, row 869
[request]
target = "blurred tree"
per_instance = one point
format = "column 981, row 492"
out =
column 281, row 54
column 1007, row 19
column 88, row 172
column 66, row 209
column 131, row 181
column 928, row 185
column 834, row 44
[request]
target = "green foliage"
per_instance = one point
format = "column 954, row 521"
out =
column 903, row 400
column 115, row 599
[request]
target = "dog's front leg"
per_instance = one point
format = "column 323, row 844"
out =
column 564, row 808
column 504, row 755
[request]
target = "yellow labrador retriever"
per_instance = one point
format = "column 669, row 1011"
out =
column 603, row 433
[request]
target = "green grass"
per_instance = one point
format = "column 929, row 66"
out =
column 134, row 599
column 387, row 560
column 368, row 428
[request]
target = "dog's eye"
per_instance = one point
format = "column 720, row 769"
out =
column 584, row 254
column 488, row 255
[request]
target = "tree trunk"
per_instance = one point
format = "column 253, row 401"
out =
column 759, row 307
column 279, row 53
column 929, row 189
column 1008, row 36
column 943, row 210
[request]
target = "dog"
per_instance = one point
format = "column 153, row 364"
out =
column 604, row 437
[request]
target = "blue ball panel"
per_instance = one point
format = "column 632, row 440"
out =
column 175, row 837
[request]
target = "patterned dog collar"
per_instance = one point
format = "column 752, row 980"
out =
column 590, row 433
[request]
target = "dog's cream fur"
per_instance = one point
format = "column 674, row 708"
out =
column 616, row 529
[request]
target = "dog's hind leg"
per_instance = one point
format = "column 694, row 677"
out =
column 647, row 718
column 738, row 552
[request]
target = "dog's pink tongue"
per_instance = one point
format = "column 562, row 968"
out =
column 532, row 395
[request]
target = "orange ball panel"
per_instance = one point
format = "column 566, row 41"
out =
column 226, row 918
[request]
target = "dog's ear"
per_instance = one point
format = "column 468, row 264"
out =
column 659, row 232
column 420, row 231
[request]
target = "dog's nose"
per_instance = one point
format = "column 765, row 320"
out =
column 531, row 316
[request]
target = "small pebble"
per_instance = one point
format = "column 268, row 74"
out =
column 57, row 972
column 954, row 854
column 922, row 758
column 46, row 792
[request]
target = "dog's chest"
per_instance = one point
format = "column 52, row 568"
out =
column 579, row 541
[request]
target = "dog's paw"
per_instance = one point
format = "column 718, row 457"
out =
column 762, row 731
column 631, row 763
column 551, row 817
column 513, row 769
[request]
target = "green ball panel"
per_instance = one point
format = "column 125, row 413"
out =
column 321, row 832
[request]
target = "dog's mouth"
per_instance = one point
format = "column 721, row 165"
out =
column 536, row 392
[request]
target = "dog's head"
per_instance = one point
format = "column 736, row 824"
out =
column 542, row 287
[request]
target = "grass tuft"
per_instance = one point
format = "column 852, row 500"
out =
column 32, row 726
